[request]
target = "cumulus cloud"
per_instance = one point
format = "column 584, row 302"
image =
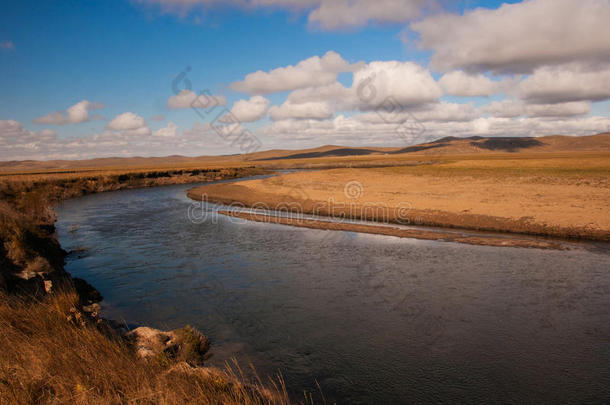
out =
column 338, row 14
column 157, row 117
column 169, row 131
column 250, row 110
column 79, row 112
column 573, row 82
column 334, row 93
column 407, row 84
column 368, row 130
column 458, row 83
column 16, row 142
column 311, row 72
column 310, row 110
column 325, row 14
column 13, row 131
column 519, row 37
column 444, row 112
column 517, row 108
column 130, row 124
column 441, row 112
column 386, row 86
column 379, row 85
column 189, row 99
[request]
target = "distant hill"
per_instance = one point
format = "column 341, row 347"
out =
column 455, row 145
column 444, row 146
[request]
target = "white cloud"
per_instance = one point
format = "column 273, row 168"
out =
column 446, row 112
column 338, row 14
column 13, row 131
column 189, row 99
column 365, row 130
column 558, row 110
column 389, row 87
column 250, row 110
column 169, row 131
column 504, row 109
column 461, row 84
column 564, row 83
column 310, row 110
column 407, row 84
column 379, row 85
column 18, row 143
column 79, row 112
column 519, row 37
column 332, row 93
column 129, row 124
column 517, row 108
column 311, row 72
column 431, row 113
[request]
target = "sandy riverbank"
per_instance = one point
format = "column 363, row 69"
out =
column 439, row 235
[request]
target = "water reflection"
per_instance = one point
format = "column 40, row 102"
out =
column 374, row 319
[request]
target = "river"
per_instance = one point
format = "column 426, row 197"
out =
column 373, row 319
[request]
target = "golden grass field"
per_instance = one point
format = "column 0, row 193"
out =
column 554, row 194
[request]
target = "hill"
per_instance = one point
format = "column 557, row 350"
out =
column 331, row 153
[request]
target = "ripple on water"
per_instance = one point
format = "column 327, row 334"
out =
column 373, row 319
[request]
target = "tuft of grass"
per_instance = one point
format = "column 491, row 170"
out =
column 48, row 358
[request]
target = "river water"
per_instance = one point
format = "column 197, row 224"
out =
column 372, row 319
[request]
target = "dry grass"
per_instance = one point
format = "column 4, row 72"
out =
column 52, row 352
column 48, row 358
column 552, row 194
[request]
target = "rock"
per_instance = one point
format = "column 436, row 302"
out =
column 186, row 344
column 149, row 342
column 86, row 291
column 92, row 310
column 32, row 286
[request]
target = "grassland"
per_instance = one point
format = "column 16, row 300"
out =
column 548, row 194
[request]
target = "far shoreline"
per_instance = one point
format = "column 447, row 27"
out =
column 325, row 194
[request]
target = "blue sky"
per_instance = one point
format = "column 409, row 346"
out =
column 125, row 54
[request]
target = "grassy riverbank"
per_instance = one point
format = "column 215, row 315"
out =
column 48, row 358
column 56, row 349
column 563, row 195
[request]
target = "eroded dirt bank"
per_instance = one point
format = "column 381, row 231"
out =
column 399, row 232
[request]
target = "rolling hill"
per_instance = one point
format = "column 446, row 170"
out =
column 443, row 146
